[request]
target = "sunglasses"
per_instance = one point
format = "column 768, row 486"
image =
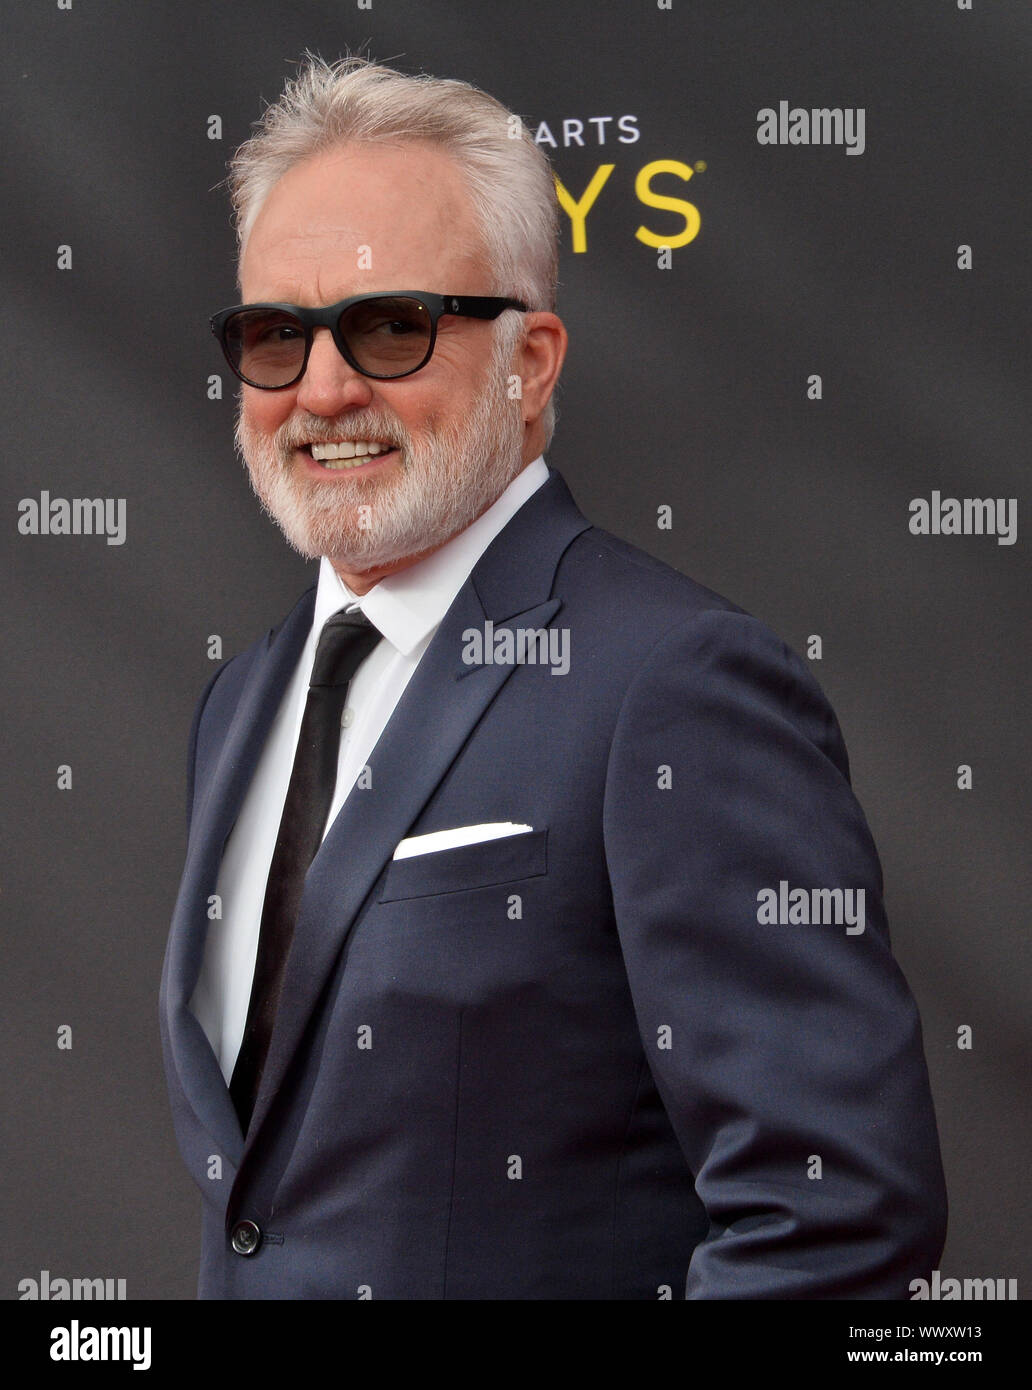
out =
column 385, row 336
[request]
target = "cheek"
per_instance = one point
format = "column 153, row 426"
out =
column 414, row 413
column 266, row 411
column 436, row 410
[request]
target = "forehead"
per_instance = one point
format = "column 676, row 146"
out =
column 364, row 218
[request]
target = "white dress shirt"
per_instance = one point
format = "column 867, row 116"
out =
column 406, row 608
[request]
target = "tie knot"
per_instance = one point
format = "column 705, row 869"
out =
column 345, row 641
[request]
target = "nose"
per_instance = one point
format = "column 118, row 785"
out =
column 330, row 384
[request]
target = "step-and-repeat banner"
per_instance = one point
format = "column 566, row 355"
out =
column 794, row 273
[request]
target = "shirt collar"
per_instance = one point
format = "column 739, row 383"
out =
column 406, row 607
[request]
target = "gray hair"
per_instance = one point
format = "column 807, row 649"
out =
column 354, row 100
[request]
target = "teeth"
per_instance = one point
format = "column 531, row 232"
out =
column 348, row 449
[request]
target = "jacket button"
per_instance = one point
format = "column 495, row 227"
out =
column 246, row 1238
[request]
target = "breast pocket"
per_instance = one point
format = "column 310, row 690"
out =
column 468, row 866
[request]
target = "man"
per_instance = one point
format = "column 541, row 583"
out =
column 480, row 982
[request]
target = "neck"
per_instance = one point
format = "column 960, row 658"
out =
column 361, row 582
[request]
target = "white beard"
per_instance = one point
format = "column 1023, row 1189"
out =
column 441, row 483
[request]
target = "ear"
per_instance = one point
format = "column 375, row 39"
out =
column 540, row 361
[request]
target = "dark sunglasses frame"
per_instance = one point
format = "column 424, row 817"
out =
column 437, row 305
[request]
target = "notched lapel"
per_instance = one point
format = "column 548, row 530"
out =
column 511, row 583
column 249, row 728
column 199, row 1072
column 410, row 759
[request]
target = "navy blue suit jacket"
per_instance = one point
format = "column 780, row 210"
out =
column 588, row 1070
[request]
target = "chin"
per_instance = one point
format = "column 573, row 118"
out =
column 429, row 501
column 321, row 525
column 443, row 483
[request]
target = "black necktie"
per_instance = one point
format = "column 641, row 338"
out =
column 346, row 640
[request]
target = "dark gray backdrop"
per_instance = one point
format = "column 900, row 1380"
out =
column 684, row 387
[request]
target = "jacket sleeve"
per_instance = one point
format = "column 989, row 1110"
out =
column 788, row 1053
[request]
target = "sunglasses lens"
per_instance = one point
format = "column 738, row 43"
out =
column 266, row 346
column 388, row 336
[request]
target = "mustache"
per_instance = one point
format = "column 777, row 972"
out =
column 317, row 430
column 366, row 425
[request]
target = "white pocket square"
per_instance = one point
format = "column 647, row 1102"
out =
column 461, row 835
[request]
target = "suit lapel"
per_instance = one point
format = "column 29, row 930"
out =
column 199, row 1071
column 512, row 582
column 252, row 719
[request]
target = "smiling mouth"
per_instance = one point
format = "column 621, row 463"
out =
column 348, row 453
